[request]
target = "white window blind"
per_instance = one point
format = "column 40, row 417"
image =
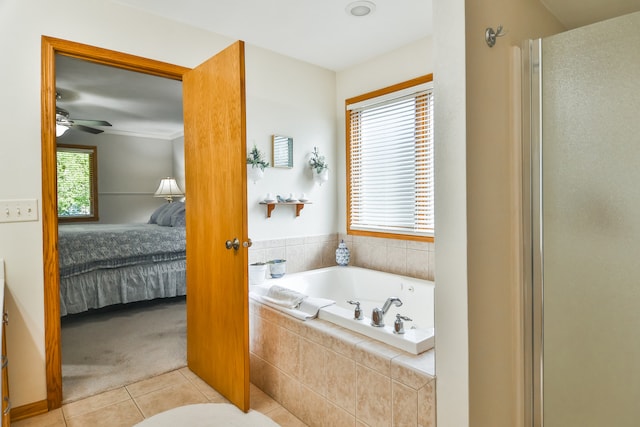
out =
column 391, row 164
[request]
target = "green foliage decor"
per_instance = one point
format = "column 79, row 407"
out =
column 317, row 161
column 256, row 159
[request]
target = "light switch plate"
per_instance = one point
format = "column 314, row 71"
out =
column 18, row 210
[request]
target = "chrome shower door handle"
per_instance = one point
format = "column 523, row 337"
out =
column 235, row 244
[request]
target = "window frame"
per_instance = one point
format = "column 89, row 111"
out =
column 365, row 97
column 93, row 186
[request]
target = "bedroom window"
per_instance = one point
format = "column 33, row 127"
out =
column 77, row 183
column 390, row 162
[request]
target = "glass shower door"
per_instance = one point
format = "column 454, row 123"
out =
column 587, row 227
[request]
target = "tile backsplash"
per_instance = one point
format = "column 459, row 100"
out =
column 405, row 257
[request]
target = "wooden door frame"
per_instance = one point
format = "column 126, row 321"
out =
column 50, row 47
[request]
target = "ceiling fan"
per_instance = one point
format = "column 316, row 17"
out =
column 64, row 123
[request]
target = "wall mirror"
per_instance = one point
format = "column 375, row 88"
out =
column 282, row 152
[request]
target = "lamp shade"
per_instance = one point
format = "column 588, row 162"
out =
column 168, row 189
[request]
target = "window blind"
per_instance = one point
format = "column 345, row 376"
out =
column 391, row 164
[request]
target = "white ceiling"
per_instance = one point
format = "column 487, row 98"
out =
column 321, row 33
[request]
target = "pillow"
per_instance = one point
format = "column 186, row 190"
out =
column 154, row 216
column 178, row 218
column 164, row 219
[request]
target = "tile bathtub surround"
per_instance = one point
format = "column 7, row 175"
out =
column 315, row 368
column 405, row 257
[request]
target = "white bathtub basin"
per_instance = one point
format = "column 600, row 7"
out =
column 371, row 288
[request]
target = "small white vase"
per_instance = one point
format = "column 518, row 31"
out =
column 254, row 173
column 322, row 177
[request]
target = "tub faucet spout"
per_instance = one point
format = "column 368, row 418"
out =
column 377, row 317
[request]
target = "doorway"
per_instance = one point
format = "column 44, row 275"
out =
column 218, row 72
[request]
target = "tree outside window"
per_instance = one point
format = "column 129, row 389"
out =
column 77, row 183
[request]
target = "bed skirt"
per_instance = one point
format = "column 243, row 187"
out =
column 100, row 288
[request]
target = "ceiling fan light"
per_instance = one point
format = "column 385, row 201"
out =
column 360, row 8
column 60, row 130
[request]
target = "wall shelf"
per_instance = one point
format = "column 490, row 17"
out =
column 271, row 206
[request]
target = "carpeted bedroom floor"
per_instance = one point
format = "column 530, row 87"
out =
column 111, row 348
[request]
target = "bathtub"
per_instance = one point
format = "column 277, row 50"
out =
column 371, row 288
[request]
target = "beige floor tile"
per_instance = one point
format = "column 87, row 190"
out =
column 156, row 383
column 50, row 419
column 93, row 403
column 168, row 398
column 261, row 401
column 123, row 414
column 284, row 418
column 209, row 392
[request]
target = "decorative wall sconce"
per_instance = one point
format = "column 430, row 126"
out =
column 256, row 164
column 319, row 167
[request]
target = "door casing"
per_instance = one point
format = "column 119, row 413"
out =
column 50, row 47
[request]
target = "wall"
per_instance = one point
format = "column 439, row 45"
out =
column 129, row 171
column 274, row 86
column 287, row 97
column 494, row 288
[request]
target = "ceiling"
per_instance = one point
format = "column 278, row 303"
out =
column 322, row 33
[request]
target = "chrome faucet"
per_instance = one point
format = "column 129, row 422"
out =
column 377, row 317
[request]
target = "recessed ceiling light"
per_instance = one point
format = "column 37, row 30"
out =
column 360, row 8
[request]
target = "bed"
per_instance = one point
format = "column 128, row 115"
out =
column 107, row 264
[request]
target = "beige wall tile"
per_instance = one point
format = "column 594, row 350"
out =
column 279, row 252
column 257, row 372
column 341, row 380
column 418, row 264
column 338, row 417
column 287, row 352
column 404, row 406
column 313, row 407
column 414, row 371
column 373, row 397
column 343, row 341
column 313, row 255
column 291, row 395
column 269, row 338
column 376, row 355
column 427, row 405
column 295, row 258
column 272, row 380
column 312, row 366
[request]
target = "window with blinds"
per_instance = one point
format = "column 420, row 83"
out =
column 77, row 183
column 390, row 161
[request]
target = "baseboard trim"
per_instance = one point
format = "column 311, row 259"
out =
column 29, row 410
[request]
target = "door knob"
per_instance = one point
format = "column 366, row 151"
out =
column 247, row 244
column 235, row 244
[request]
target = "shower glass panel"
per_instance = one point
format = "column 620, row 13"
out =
column 587, row 281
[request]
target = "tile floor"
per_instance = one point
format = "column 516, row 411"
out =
column 126, row 406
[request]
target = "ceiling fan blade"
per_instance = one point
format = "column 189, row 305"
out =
column 92, row 122
column 87, row 129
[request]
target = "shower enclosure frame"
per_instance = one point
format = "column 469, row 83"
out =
column 532, row 231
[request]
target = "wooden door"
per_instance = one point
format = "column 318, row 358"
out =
column 215, row 159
